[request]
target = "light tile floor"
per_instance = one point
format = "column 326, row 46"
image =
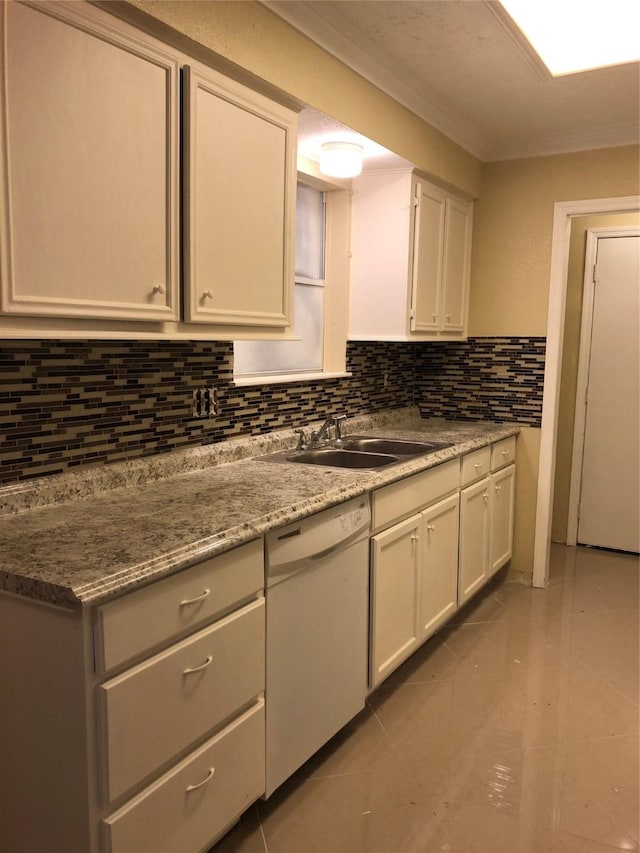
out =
column 514, row 730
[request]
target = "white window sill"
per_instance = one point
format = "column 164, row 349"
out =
column 287, row 377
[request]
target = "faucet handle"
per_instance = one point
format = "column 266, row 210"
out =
column 302, row 440
column 338, row 421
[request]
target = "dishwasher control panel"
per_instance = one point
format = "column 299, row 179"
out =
column 316, row 535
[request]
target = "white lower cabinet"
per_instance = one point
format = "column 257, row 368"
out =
column 414, row 565
column 487, row 504
column 194, row 801
column 474, row 539
column 168, row 702
column 502, row 502
column 187, row 721
column 395, row 618
column 439, row 536
column 439, row 565
column 141, row 726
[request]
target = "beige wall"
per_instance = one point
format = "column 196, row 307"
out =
column 513, row 222
column 570, row 356
column 253, row 37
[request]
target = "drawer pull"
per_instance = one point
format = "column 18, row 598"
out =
column 477, row 466
column 206, row 779
column 186, row 601
column 191, row 669
column 505, row 452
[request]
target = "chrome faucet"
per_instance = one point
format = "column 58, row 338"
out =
column 322, row 435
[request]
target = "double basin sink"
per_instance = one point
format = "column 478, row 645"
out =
column 359, row 451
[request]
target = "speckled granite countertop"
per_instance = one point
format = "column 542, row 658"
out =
column 81, row 539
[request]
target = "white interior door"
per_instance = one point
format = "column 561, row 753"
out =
column 609, row 510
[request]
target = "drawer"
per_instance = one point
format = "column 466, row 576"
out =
column 398, row 500
column 475, row 465
column 151, row 712
column 503, row 453
column 196, row 800
column 161, row 611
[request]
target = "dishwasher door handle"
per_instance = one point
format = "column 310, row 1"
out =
column 310, row 560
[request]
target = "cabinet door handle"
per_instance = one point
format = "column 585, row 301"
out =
column 207, row 294
column 505, row 452
column 486, row 496
column 206, row 779
column 158, row 288
column 477, row 466
column 498, row 488
column 189, row 670
column 186, row 601
column 430, row 527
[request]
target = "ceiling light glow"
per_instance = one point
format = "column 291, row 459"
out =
column 579, row 35
column 341, row 159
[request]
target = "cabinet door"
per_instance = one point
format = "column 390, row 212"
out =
column 456, row 265
column 89, row 183
column 395, row 624
column 439, row 566
column 474, row 539
column 502, row 492
column 239, row 184
column 429, row 231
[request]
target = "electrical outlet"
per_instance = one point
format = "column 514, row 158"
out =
column 205, row 403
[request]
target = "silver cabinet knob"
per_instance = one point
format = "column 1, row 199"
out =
column 207, row 294
column 159, row 288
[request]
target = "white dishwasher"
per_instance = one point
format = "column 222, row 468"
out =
column 317, row 578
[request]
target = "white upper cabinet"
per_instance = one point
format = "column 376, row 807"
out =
column 92, row 179
column 410, row 264
column 239, row 203
column 90, row 154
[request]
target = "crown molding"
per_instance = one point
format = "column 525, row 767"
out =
column 358, row 54
column 330, row 30
column 615, row 136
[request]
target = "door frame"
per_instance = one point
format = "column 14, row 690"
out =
column 563, row 213
column 584, row 358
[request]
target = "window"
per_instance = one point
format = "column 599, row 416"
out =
column 318, row 345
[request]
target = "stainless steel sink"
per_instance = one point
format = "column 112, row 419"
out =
column 366, row 453
column 396, row 446
column 343, row 458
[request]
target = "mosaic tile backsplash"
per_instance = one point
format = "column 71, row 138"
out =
column 65, row 404
column 494, row 379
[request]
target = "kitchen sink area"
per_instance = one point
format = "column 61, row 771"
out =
column 205, row 587
column 362, row 452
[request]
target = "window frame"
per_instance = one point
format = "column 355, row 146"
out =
column 336, row 288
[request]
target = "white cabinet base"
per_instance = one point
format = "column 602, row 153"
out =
column 189, row 807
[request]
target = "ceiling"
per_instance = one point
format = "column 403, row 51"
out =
column 463, row 66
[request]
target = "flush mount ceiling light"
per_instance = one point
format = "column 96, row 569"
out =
column 341, row 159
column 579, row 35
